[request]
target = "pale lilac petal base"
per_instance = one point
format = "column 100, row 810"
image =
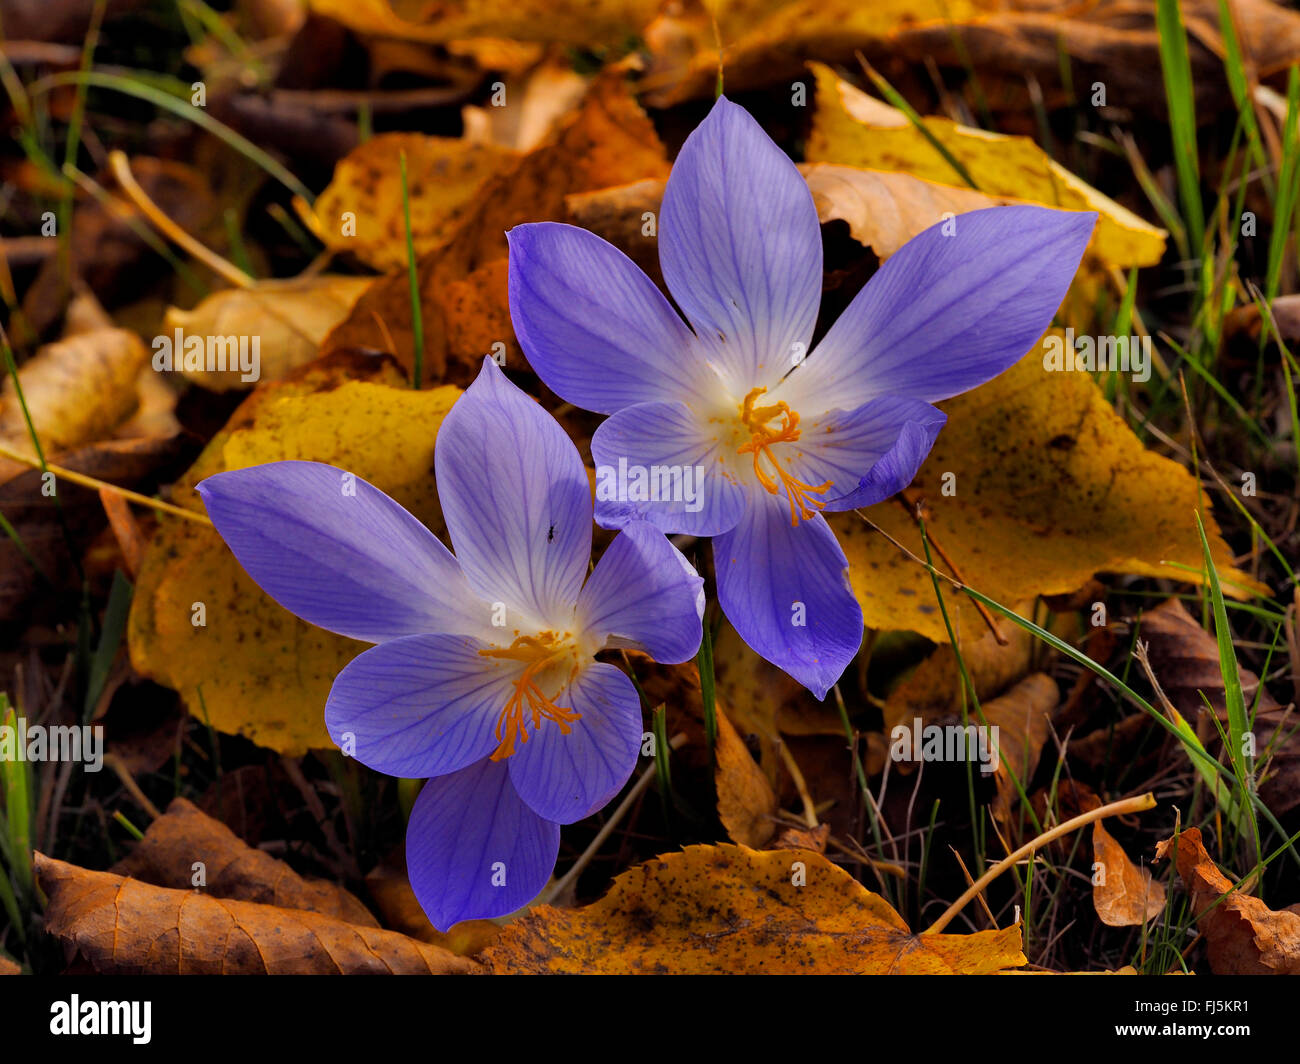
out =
column 666, row 441
column 516, row 500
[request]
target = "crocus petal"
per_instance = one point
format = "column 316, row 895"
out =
column 568, row 777
column 340, row 553
column 785, row 590
column 948, row 312
column 421, row 706
column 868, row 453
column 740, row 248
column 474, row 850
column 665, row 444
column 516, row 499
column 644, row 595
column 595, row 328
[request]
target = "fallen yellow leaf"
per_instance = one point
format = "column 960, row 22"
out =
column 251, row 667
column 729, row 909
column 361, row 210
column 853, row 128
column 1046, row 486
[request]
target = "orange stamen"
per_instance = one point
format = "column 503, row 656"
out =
column 538, row 653
column 799, row 493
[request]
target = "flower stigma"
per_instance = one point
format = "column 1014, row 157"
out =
column 537, row 654
column 801, row 495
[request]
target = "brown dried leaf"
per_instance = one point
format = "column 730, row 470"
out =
column 814, row 839
column 106, row 249
column 885, row 210
column 1185, row 659
column 746, row 801
column 1022, row 717
column 1127, row 896
column 122, row 926
column 232, row 869
column 588, row 22
column 138, row 464
column 1244, row 936
column 730, row 909
column 608, row 140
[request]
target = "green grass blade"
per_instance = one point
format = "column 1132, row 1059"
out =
column 1177, row 69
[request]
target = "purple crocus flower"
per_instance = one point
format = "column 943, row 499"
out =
column 484, row 676
column 733, row 403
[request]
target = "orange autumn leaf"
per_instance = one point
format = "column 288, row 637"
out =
column 730, row 909
column 1127, row 896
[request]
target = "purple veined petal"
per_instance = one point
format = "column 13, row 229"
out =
column 340, row 553
column 568, row 777
column 421, row 706
column 740, row 248
column 474, row 849
column 785, row 590
column 594, row 326
column 657, row 462
column 516, row 499
column 869, row 453
column 644, row 595
column 948, row 312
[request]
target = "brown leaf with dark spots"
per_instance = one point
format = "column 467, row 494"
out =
column 173, row 844
column 117, row 925
column 1244, row 936
column 730, row 909
column 804, row 838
